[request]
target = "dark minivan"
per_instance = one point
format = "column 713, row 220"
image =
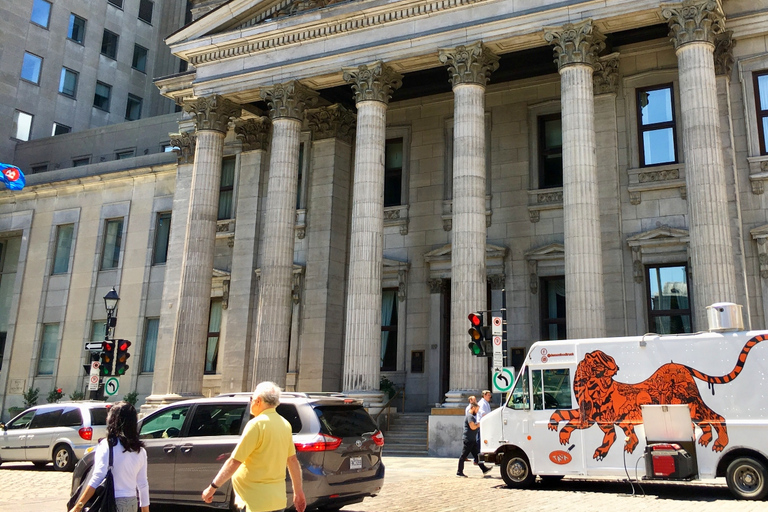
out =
column 337, row 443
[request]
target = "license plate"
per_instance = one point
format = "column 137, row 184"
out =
column 355, row 463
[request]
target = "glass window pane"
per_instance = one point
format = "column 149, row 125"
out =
column 30, row 68
column 60, row 129
column 145, row 10
column 48, row 349
column 41, row 12
column 101, row 96
column 553, row 134
column 76, row 30
column 63, row 248
column 22, row 125
column 518, row 398
column 68, row 82
column 162, row 234
column 226, row 188
column 150, row 345
column 46, row 418
column 166, row 424
column 762, row 86
column 557, row 388
column 659, row 146
column 212, row 345
column 98, row 330
column 113, row 239
column 109, row 44
column 656, row 106
column 765, row 132
column 671, row 324
column 389, row 324
column 117, row 3
column 133, row 108
column 669, row 288
column 216, row 420
column 139, row 58
column 394, row 154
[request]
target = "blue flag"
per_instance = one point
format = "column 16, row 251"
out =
column 12, row 177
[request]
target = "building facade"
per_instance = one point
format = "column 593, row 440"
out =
column 353, row 178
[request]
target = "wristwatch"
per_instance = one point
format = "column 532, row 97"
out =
column 214, row 485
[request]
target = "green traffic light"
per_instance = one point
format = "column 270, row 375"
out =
column 475, row 348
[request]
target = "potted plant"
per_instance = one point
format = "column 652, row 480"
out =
column 30, row 397
column 55, row 395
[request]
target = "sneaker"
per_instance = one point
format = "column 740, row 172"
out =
column 461, row 474
column 486, row 470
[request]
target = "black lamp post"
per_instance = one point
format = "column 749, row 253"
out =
column 110, row 303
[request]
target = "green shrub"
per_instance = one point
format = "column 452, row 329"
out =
column 131, row 398
column 30, row 397
column 77, row 395
column 55, row 395
column 388, row 387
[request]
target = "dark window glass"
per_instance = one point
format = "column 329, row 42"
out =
column 68, row 82
column 77, row 162
column 30, row 68
column 41, row 13
column 60, row 129
column 113, row 242
column 291, row 415
column 550, row 151
column 71, row 417
column 99, row 416
column 2, row 347
column 162, row 235
column 64, row 234
column 145, row 10
column 393, row 173
column 76, row 30
column 344, row 420
column 101, row 96
column 656, row 125
column 552, row 308
column 46, row 418
column 150, row 345
column 519, row 398
column 226, row 188
column 122, row 155
column 166, row 424
column 217, row 420
column 116, row 3
column 761, row 100
column 389, row 323
column 212, row 345
column 669, row 310
column 139, row 58
column 300, row 181
column 21, row 421
column 133, row 108
column 109, row 44
column 39, row 168
column 551, row 389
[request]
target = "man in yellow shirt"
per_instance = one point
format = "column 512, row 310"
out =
column 257, row 466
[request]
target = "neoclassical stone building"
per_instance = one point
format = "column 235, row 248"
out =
column 355, row 177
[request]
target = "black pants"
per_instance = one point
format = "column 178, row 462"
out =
column 470, row 447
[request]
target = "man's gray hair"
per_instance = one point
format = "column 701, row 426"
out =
column 269, row 392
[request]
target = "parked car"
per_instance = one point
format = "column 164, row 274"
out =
column 337, row 443
column 59, row 433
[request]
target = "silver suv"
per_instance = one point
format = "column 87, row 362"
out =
column 337, row 443
column 59, row 433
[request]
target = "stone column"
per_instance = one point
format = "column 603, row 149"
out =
column 373, row 86
column 273, row 326
column 576, row 48
column 333, row 133
column 211, row 115
column 693, row 28
column 469, row 68
column 237, row 349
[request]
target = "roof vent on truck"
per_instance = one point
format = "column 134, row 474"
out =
column 725, row 316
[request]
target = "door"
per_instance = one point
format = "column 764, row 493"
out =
column 213, row 433
column 42, row 432
column 14, row 437
column 161, row 433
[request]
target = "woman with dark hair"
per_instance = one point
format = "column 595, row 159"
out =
column 129, row 464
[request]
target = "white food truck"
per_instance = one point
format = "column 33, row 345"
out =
column 671, row 407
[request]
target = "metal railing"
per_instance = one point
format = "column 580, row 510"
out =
column 388, row 407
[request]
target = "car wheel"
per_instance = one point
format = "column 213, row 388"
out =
column 63, row 458
column 746, row 479
column 40, row 464
column 516, row 470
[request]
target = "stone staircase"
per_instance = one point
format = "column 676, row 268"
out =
column 407, row 435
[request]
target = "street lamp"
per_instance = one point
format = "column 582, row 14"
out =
column 110, row 303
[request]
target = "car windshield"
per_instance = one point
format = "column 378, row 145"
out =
column 99, row 416
column 344, row 420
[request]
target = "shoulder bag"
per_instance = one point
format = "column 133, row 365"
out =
column 103, row 500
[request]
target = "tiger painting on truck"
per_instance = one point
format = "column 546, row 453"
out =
column 610, row 403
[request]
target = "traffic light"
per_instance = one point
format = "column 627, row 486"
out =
column 480, row 334
column 121, row 359
column 107, row 358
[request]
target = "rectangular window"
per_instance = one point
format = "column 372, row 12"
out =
column 145, row 10
column 656, row 125
column 212, row 346
column 79, row 162
column 116, row 3
column 101, row 96
column 669, row 310
column 122, row 155
column 41, row 13
column 300, row 180
column 139, row 58
column 761, row 99
column 113, row 241
column 133, row 108
column 60, row 129
column 30, row 68
column 109, row 44
column 551, row 389
column 162, row 235
column 22, row 125
column 150, row 345
column 552, row 308
column 226, row 188
column 68, row 82
column 76, row 30
column 98, row 330
column 550, row 151
column 389, row 323
column 35, row 169
column 49, row 347
column 2, row 347
column 63, row 250
column 393, row 172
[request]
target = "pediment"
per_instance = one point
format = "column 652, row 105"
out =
column 663, row 235
column 555, row 251
column 439, row 261
column 220, row 274
column 759, row 232
column 443, row 253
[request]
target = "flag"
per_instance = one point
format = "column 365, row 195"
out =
column 12, row 177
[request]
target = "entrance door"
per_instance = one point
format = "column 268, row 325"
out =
column 445, row 339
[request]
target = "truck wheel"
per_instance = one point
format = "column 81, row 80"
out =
column 63, row 458
column 747, row 479
column 516, row 470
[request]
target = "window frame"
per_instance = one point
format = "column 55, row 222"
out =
column 760, row 114
column 641, row 128
column 62, row 257
column 393, row 331
column 39, row 68
column 149, row 350
column 211, row 367
column 651, row 313
column 55, row 347
column 81, row 161
column 544, row 321
column 225, row 189
column 57, row 125
column 395, row 172
column 64, row 71
column 166, row 233
column 135, row 99
column 118, row 4
column 116, row 248
column 72, row 18
column 36, row 3
column 109, row 97
column 15, row 125
column 543, row 153
column 143, row 5
column 143, row 69
column 104, row 41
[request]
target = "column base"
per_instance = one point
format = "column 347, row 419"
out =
column 459, row 398
column 154, row 402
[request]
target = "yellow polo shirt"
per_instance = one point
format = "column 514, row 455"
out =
column 263, row 451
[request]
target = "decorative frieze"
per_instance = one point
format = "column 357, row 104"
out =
column 469, row 64
column 664, row 177
column 397, row 216
column 437, row 285
column 605, row 78
column 212, row 112
column 650, row 176
column 575, row 43
column 723, row 55
column 760, row 236
column 289, row 99
column 334, row 122
column 254, row 133
column 497, row 281
column 401, row 285
column 373, row 82
column 185, row 144
column 694, row 21
column 298, row 6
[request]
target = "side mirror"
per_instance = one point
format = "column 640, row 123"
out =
column 2, row 426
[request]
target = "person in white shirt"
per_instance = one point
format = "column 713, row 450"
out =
column 129, row 462
column 472, row 401
column 485, row 404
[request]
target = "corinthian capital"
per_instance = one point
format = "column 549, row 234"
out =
column 575, row 44
column 605, row 78
column 186, row 144
column 694, row 21
column 723, row 56
column 374, row 82
column 332, row 122
column 289, row 100
column 470, row 64
column 212, row 112
column 253, row 133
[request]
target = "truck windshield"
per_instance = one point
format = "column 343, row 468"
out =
column 518, row 398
